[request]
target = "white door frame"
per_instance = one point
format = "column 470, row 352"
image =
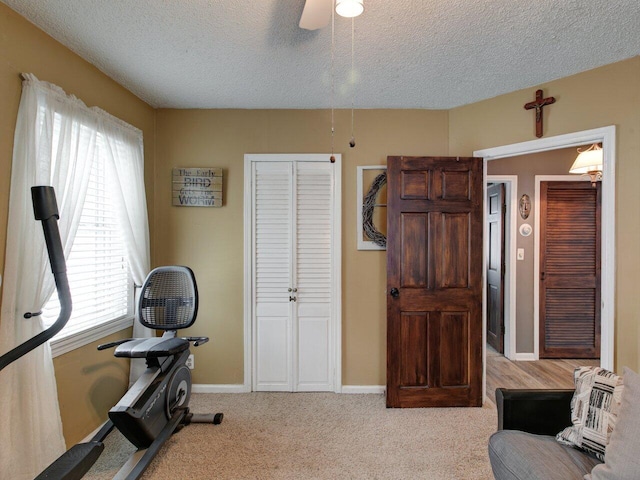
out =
column 336, row 314
column 606, row 136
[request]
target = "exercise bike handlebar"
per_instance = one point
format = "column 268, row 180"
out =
column 45, row 209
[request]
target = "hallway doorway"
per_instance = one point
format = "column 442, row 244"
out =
column 522, row 348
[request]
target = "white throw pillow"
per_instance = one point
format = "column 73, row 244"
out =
column 594, row 410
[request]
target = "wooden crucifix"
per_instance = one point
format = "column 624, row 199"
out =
column 538, row 104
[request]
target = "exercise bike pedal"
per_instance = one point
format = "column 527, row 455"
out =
column 74, row 463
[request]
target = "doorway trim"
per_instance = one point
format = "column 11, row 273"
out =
column 607, row 136
column 510, row 265
column 336, row 309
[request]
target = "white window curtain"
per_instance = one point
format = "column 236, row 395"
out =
column 127, row 166
column 29, row 417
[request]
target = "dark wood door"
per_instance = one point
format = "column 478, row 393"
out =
column 434, row 281
column 495, row 266
column 569, row 270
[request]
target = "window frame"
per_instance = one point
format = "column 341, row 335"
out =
column 63, row 343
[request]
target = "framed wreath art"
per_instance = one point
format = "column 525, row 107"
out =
column 372, row 208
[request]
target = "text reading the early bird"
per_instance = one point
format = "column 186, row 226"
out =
column 197, row 187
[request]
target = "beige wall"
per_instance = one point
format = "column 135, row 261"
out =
column 87, row 380
column 89, row 384
column 609, row 95
column 210, row 240
column 526, row 167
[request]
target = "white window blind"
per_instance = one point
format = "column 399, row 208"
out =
column 97, row 268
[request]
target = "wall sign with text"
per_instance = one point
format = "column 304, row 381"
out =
column 197, row 187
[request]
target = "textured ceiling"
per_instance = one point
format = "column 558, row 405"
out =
column 408, row 53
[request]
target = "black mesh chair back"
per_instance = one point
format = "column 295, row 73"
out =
column 169, row 299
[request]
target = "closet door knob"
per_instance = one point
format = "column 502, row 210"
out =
column 395, row 293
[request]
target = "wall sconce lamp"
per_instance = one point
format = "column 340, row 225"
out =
column 349, row 8
column 589, row 162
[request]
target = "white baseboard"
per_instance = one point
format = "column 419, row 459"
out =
column 525, row 357
column 351, row 389
column 212, row 388
column 239, row 388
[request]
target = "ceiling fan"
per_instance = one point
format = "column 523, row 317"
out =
column 317, row 13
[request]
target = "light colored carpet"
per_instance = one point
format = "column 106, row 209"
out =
column 318, row 436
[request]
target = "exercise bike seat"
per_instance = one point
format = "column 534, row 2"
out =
column 169, row 302
column 151, row 347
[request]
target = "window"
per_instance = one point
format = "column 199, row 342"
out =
column 100, row 282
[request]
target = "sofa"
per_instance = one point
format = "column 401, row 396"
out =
column 525, row 446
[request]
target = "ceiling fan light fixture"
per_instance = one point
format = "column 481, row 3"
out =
column 349, row 8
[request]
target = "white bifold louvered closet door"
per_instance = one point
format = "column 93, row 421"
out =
column 294, row 273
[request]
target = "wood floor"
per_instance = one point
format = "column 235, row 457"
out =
column 502, row 372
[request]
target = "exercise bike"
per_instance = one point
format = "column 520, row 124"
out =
column 157, row 405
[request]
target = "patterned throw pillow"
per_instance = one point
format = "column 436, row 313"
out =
column 594, row 410
column 622, row 461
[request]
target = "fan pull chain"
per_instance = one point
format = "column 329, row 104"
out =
column 352, row 142
column 333, row 26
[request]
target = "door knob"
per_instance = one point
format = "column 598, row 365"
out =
column 394, row 292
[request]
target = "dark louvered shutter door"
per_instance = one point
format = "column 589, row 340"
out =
column 569, row 270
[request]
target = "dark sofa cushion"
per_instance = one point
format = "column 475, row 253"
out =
column 544, row 412
column 518, row 455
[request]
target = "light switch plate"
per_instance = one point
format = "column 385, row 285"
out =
column 520, row 255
